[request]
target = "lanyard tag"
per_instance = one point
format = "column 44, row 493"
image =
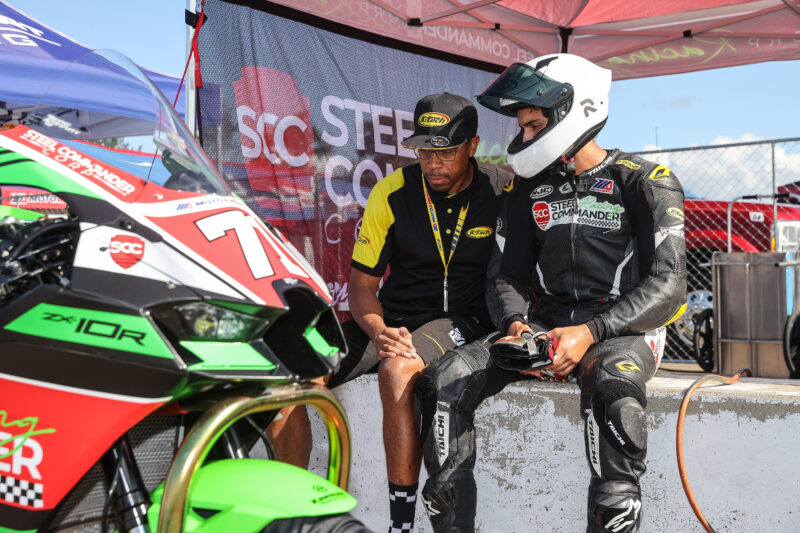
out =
column 445, row 294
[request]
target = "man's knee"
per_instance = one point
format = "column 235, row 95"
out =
column 617, row 404
column 399, row 368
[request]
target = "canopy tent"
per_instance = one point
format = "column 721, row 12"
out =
column 34, row 61
column 633, row 38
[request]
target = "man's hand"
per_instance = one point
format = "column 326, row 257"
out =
column 516, row 328
column 391, row 342
column 368, row 313
column 573, row 342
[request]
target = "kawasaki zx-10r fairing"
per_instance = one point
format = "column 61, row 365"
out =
column 145, row 309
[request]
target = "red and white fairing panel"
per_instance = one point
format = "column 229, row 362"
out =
column 220, row 233
column 228, row 238
column 38, row 436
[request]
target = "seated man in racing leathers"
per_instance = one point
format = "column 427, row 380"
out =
column 597, row 235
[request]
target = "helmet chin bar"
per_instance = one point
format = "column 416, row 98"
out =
column 529, row 161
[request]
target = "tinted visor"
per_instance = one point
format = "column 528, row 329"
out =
column 522, row 86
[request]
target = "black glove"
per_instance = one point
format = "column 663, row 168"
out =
column 526, row 352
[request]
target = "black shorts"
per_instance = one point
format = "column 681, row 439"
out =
column 431, row 341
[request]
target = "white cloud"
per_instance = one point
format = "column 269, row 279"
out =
column 745, row 138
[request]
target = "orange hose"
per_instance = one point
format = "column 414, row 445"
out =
column 681, row 417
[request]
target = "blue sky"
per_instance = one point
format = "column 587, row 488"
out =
column 695, row 109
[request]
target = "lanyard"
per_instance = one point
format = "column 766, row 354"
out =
column 438, row 236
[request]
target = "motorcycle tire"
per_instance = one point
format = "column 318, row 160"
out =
column 703, row 340
column 791, row 345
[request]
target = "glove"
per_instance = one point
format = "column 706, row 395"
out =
column 526, row 352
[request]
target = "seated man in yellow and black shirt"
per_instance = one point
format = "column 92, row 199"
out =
column 432, row 225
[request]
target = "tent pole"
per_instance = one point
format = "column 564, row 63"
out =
column 564, row 33
column 191, row 90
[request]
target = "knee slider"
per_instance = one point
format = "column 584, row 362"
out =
column 627, row 423
column 618, row 406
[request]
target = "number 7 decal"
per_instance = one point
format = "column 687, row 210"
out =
column 218, row 225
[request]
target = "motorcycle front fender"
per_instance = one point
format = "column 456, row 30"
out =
column 248, row 494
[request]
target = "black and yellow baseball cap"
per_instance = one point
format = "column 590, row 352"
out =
column 442, row 121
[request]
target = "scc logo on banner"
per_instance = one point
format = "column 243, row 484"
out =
column 126, row 250
column 277, row 139
column 277, row 143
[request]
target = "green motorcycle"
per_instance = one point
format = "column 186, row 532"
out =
column 151, row 325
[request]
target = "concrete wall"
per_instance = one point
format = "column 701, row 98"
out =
column 741, row 443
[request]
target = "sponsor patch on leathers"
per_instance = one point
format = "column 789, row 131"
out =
column 589, row 212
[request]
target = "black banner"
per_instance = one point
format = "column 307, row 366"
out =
column 303, row 122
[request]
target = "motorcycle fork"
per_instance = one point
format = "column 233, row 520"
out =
column 239, row 438
column 128, row 496
column 230, row 445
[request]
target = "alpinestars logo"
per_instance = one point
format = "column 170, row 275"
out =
column 628, row 516
column 589, row 212
column 441, row 431
column 429, row 506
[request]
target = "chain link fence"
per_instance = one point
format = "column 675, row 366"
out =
column 734, row 194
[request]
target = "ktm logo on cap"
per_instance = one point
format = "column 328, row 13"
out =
column 432, row 119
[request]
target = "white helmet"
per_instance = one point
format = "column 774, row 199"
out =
column 573, row 94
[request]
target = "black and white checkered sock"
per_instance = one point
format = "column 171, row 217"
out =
column 402, row 505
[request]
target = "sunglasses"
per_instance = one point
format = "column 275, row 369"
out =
column 444, row 155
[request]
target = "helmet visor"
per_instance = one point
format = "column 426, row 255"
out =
column 522, row 85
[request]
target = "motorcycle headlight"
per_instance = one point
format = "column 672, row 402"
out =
column 203, row 321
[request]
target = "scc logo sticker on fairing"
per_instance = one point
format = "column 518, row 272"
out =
column 126, row 250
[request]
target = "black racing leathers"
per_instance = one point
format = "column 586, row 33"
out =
column 612, row 235
column 606, row 249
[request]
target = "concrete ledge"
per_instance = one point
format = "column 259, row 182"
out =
column 741, row 444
